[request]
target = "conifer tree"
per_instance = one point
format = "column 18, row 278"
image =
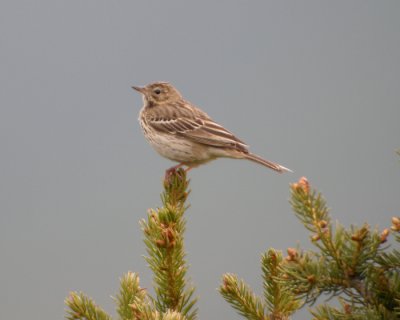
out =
column 356, row 265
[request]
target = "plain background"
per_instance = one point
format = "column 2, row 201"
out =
column 313, row 85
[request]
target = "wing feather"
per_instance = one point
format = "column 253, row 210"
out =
column 192, row 123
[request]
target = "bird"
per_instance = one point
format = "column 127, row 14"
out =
column 183, row 133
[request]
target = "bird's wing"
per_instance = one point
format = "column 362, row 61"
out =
column 194, row 124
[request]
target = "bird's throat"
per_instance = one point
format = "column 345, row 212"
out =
column 150, row 104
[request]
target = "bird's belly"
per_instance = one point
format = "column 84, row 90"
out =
column 178, row 149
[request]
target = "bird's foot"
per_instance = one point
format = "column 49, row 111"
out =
column 173, row 170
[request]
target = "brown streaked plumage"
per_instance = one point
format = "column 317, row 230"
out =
column 179, row 131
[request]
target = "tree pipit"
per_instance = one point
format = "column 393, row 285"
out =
column 181, row 132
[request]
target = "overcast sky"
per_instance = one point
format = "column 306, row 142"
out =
column 313, row 85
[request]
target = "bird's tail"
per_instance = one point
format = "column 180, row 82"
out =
column 274, row 166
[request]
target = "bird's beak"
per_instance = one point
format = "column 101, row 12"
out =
column 139, row 89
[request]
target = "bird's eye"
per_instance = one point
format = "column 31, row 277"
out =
column 157, row 91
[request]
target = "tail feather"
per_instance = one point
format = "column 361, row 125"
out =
column 274, row 166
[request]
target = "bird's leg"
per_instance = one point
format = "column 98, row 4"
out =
column 188, row 169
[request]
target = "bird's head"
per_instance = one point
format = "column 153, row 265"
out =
column 158, row 93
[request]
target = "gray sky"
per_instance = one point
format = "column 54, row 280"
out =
column 313, row 85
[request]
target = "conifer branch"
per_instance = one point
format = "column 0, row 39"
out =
column 131, row 298
column 173, row 315
column 396, row 228
column 82, row 307
column 349, row 312
column 146, row 313
column 164, row 230
column 389, row 260
column 352, row 263
column 281, row 303
column 238, row 294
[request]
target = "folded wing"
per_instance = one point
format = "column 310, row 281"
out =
column 195, row 125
